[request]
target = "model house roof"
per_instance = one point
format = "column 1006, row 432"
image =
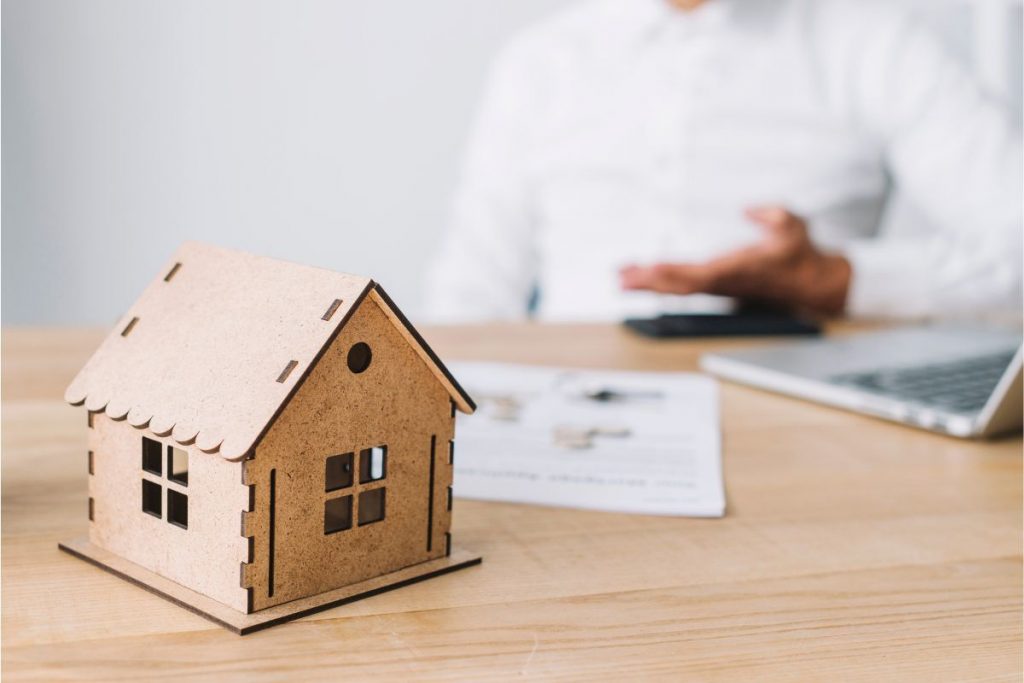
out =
column 220, row 340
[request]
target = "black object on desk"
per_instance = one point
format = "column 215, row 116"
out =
column 744, row 324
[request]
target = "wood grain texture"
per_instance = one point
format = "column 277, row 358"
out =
column 852, row 550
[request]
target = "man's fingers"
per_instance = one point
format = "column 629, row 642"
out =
column 785, row 233
column 777, row 220
column 771, row 215
column 785, row 267
column 767, row 215
column 665, row 278
column 729, row 275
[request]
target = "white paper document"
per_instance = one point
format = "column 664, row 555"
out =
column 638, row 442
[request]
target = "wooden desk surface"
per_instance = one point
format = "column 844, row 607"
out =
column 853, row 549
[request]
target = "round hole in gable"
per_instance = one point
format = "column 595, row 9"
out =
column 359, row 357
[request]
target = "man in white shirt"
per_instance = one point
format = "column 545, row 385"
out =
column 628, row 152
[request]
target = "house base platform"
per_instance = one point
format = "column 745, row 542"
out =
column 242, row 623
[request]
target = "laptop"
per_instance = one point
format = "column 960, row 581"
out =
column 957, row 381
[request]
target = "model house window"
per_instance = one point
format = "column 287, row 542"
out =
column 371, row 506
column 176, row 476
column 177, row 508
column 364, row 500
column 359, row 357
column 152, row 495
column 152, row 461
column 372, row 463
column 177, row 465
column 339, row 472
column 338, row 514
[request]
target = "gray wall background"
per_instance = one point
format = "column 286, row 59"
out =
column 322, row 132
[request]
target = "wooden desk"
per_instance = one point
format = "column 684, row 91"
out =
column 853, row 549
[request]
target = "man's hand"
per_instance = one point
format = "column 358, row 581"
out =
column 784, row 268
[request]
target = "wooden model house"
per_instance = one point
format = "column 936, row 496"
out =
column 267, row 439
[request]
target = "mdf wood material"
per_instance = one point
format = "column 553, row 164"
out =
column 242, row 623
column 396, row 402
column 852, row 549
column 340, row 478
column 196, row 355
column 205, row 556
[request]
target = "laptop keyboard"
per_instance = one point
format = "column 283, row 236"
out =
column 960, row 386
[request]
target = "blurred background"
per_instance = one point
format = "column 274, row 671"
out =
column 327, row 133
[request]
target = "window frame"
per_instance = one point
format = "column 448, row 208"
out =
column 357, row 486
column 163, row 483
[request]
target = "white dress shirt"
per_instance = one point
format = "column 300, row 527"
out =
column 625, row 131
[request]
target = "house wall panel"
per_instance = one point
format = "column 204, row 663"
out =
column 396, row 401
column 204, row 557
